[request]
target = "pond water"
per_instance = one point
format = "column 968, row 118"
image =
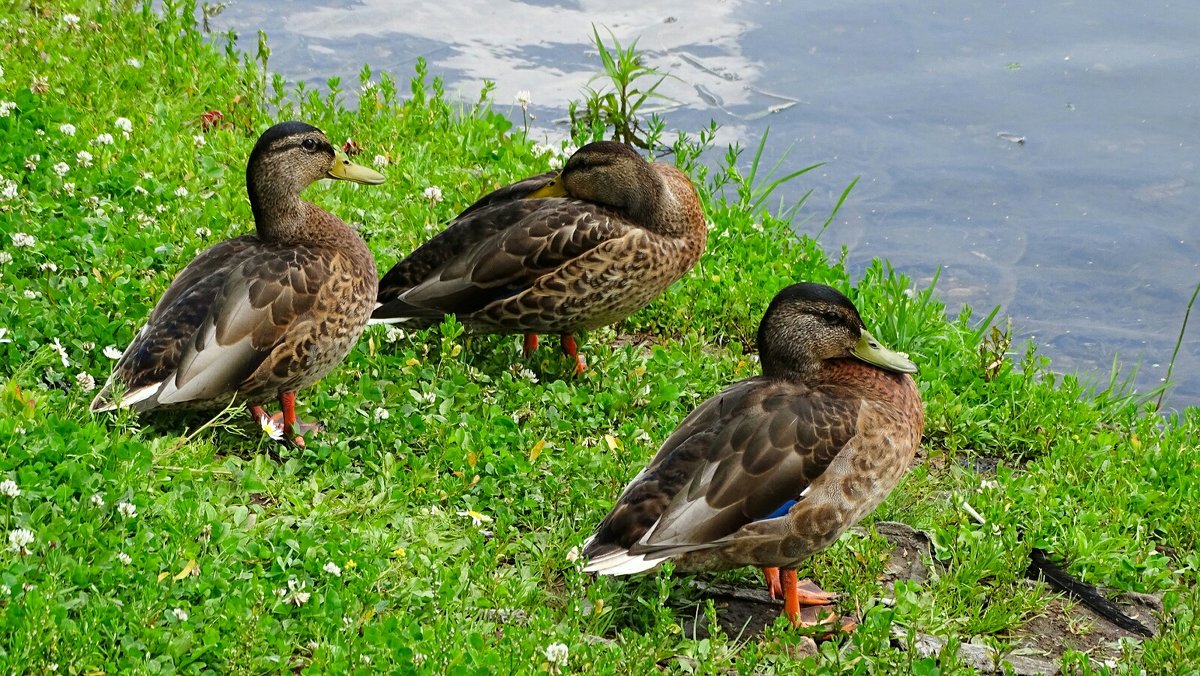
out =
column 1085, row 232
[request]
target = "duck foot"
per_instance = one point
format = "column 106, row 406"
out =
column 294, row 430
column 571, row 349
column 774, row 588
column 818, row 608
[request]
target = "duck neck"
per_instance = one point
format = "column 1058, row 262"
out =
column 279, row 213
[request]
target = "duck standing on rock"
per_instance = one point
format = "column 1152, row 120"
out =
column 774, row 468
column 555, row 254
column 261, row 316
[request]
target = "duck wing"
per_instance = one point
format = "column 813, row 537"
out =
column 490, row 214
column 217, row 323
column 549, row 233
column 735, row 459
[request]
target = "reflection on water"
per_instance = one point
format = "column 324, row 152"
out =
column 1086, row 232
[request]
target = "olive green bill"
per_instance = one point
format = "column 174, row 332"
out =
column 873, row 352
column 345, row 170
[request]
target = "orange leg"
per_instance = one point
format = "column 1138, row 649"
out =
column 293, row 430
column 818, row 612
column 774, row 588
column 531, row 343
column 571, row 349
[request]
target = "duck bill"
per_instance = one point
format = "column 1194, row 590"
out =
column 873, row 352
column 345, row 170
column 552, row 189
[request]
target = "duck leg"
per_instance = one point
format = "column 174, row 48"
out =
column 293, row 429
column 571, row 349
column 819, row 610
column 531, row 343
column 774, row 587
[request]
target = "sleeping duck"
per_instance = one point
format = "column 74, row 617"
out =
column 555, row 254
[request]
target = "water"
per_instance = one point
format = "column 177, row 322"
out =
column 1085, row 232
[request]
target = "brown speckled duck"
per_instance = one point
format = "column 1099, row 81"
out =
column 774, row 468
column 555, row 254
column 260, row 316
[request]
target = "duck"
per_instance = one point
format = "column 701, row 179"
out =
column 259, row 317
column 776, row 467
column 556, row 253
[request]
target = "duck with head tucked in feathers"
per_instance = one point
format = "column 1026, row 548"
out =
column 555, row 254
column 776, row 467
column 260, row 316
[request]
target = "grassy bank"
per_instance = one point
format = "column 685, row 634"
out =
column 432, row 527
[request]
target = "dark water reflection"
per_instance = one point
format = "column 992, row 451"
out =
column 1086, row 233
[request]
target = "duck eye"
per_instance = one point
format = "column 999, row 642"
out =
column 309, row 144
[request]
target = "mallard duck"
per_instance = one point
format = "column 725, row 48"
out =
column 555, row 254
column 260, row 316
column 776, row 467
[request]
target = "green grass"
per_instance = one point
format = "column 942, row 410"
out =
column 390, row 502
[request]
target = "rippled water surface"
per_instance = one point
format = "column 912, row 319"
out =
column 1086, row 232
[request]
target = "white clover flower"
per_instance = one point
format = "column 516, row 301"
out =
column 160, row 208
column 62, row 352
column 9, row 487
column 23, row 239
column 270, row 428
column 528, row 374
column 71, row 20
column 61, row 169
column 4, row 335
column 84, row 158
column 87, row 344
column 524, row 98
column 557, row 654
column 199, row 141
column 381, row 413
column 6, row 108
column 104, row 139
column 97, row 499
column 477, row 518
column 181, row 191
column 31, row 162
column 393, row 334
column 126, row 509
column 5, row 258
column 365, row 659
column 50, row 266
column 555, row 162
column 540, row 149
column 69, row 188
column 67, row 128
column 332, row 568
column 203, row 232
column 19, row 540
column 124, row 124
column 433, row 194
column 140, row 190
column 124, row 558
column 135, row 63
column 39, row 85
column 180, row 614
column 112, row 352
column 31, row 294
column 380, row 161
column 294, row 594
column 85, row 381
column 8, row 190
column 5, row 590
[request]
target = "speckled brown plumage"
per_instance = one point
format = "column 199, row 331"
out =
column 624, row 231
column 259, row 315
column 821, row 427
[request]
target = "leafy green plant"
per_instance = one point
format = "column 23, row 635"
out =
column 618, row 102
